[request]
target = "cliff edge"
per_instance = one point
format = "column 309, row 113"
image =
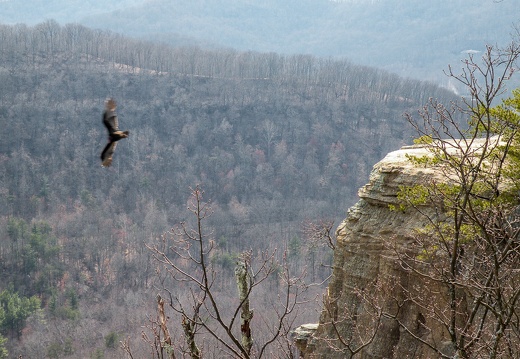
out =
column 367, row 280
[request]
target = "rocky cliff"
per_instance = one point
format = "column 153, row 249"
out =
column 367, row 280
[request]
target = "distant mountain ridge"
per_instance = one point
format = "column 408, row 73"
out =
column 415, row 38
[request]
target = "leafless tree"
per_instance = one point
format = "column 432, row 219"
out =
column 209, row 317
column 466, row 259
column 319, row 233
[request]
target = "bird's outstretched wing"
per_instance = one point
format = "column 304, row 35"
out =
column 107, row 154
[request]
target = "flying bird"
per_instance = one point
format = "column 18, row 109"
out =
column 114, row 134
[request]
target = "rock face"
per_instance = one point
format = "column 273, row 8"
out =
column 362, row 259
column 302, row 334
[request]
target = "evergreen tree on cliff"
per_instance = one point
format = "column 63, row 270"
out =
column 471, row 247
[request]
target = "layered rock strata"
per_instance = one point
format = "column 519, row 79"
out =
column 367, row 279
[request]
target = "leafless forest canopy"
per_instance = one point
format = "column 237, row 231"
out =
column 273, row 140
column 414, row 38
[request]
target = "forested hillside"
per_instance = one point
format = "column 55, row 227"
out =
column 413, row 38
column 273, row 140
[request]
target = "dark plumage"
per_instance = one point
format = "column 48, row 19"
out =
column 114, row 134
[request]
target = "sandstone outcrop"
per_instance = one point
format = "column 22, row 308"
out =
column 362, row 258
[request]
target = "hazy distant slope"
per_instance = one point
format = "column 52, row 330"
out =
column 327, row 118
column 415, row 38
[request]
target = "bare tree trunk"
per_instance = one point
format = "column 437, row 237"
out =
column 242, row 276
column 167, row 343
column 189, row 331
